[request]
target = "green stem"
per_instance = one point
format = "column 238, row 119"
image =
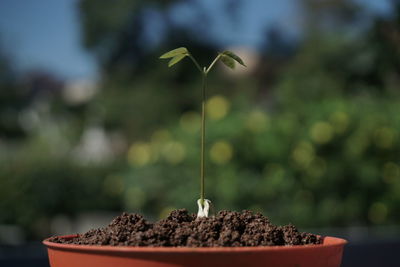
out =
column 212, row 64
column 203, row 136
column 196, row 63
column 204, row 73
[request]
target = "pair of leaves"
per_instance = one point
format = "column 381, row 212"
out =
column 177, row 55
column 229, row 58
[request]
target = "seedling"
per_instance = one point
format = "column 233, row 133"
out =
column 229, row 59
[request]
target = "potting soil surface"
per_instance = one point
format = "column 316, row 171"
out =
column 181, row 229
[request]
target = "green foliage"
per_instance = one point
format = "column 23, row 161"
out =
column 229, row 58
column 228, row 61
column 176, row 52
column 176, row 59
column 177, row 55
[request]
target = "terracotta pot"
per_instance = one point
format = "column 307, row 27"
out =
column 328, row 254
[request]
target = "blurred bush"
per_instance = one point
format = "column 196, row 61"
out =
column 327, row 163
column 37, row 185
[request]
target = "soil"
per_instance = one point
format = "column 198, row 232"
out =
column 181, row 229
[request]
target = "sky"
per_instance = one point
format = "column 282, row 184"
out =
column 45, row 34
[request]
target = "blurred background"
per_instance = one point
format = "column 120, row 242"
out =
column 92, row 123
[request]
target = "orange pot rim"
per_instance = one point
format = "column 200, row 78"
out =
column 328, row 241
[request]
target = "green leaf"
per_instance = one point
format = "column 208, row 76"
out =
column 228, row 61
column 234, row 57
column 176, row 52
column 176, row 59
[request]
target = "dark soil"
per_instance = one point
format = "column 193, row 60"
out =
column 181, row 229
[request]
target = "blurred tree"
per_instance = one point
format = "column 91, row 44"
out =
column 277, row 51
column 133, row 81
column 330, row 15
column 12, row 100
column 380, row 66
column 115, row 31
column 343, row 54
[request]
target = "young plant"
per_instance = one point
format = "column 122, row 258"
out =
column 229, row 59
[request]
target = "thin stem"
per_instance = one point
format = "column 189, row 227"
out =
column 196, row 63
column 204, row 73
column 203, row 136
column 213, row 63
